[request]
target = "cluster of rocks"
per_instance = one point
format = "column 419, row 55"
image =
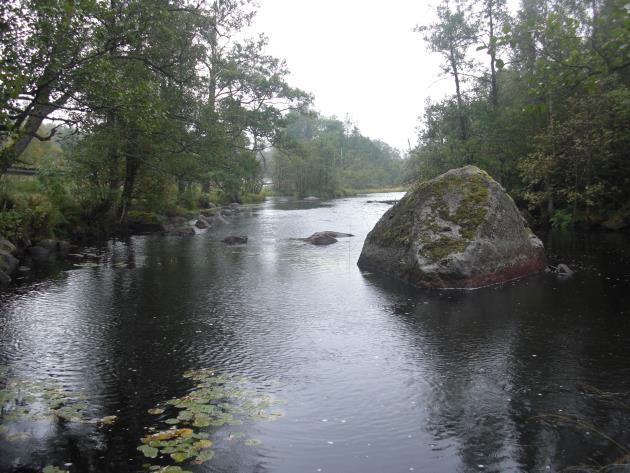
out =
column 211, row 217
column 21, row 259
column 14, row 259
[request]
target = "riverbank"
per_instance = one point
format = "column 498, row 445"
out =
column 21, row 256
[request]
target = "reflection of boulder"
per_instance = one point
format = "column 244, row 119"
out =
column 460, row 229
column 235, row 240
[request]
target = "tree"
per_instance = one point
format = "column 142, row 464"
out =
column 451, row 36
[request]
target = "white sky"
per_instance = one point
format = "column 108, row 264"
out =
column 360, row 58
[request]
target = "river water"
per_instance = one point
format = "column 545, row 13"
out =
column 370, row 376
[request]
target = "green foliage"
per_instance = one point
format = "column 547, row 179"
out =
column 551, row 121
column 160, row 100
column 561, row 220
column 321, row 156
column 27, row 210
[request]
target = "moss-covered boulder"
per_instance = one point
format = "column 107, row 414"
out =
column 459, row 230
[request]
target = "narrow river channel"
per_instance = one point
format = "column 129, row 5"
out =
column 360, row 374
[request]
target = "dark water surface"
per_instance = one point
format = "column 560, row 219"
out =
column 533, row 375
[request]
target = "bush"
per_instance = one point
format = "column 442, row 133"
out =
column 561, row 220
column 253, row 198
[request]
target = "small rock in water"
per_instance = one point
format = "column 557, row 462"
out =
column 325, row 238
column 235, row 240
column 564, row 271
column 202, row 224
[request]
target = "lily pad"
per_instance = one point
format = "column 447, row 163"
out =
column 148, row 451
column 156, row 411
column 109, row 420
column 180, row 456
column 53, row 469
column 204, row 456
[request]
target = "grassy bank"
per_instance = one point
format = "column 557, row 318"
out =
column 53, row 206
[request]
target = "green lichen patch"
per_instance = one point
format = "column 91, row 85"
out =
column 215, row 401
column 467, row 217
column 398, row 229
column 442, row 247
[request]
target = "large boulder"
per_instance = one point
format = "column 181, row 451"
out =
column 459, row 230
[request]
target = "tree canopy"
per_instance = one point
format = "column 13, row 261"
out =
column 547, row 112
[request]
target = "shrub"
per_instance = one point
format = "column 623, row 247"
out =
column 561, row 220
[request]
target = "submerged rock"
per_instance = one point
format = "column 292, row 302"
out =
column 459, row 230
column 235, row 240
column 320, row 239
column 325, row 238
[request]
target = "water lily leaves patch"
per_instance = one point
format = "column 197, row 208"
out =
column 215, row 401
column 41, row 400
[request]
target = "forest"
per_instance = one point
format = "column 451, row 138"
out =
column 540, row 101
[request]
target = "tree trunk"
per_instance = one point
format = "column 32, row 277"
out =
column 131, row 171
column 26, row 128
column 494, row 91
column 460, row 102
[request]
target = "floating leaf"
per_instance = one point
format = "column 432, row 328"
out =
column 203, row 444
column 185, row 415
column 109, row 420
column 171, row 421
column 148, row 451
column 252, row 442
column 53, row 469
column 180, row 456
column 204, row 456
column 156, row 411
column 202, row 420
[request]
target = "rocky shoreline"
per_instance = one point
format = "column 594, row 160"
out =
column 20, row 259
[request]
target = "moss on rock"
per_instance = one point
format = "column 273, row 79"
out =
column 460, row 229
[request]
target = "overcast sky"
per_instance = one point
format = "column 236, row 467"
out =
column 360, row 58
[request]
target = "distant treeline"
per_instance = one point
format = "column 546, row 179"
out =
column 321, row 156
column 541, row 101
